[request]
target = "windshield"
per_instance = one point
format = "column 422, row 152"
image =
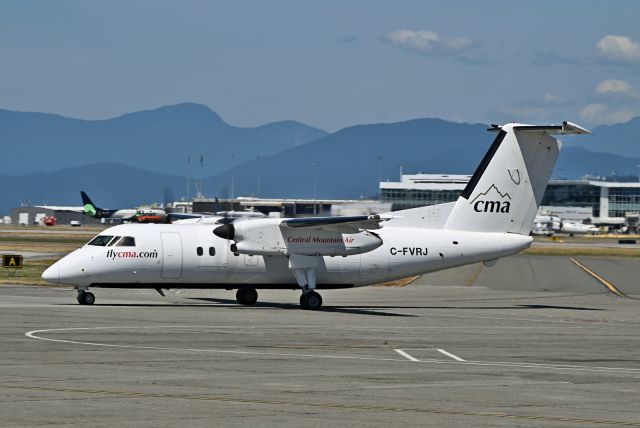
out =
column 126, row 241
column 101, row 240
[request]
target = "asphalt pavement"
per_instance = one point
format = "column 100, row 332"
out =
column 534, row 341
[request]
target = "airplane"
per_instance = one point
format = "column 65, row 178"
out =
column 546, row 225
column 572, row 228
column 492, row 218
column 141, row 215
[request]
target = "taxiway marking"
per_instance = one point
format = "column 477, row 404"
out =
column 506, row 365
column 407, row 356
column 603, row 281
column 448, row 354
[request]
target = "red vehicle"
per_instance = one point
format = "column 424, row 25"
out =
column 150, row 218
column 49, row 221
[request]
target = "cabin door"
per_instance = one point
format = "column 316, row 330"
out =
column 171, row 255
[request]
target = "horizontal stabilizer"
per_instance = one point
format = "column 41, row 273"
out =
column 565, row 128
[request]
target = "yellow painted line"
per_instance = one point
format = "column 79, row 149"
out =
column 606, row 283
column 340, row 406
column 474, row 275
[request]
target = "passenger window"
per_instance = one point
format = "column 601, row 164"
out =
column 127, row 241
column 101, row 240
column 199, row 251
column 212, row 251
column 114, row 241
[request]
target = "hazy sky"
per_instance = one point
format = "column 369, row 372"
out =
column 329, row 64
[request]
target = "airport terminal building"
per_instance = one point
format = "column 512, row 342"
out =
column 610, row 202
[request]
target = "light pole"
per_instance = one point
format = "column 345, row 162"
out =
column 315, row 186
column 638, row 172
column 258, row 176
column 188, row 177
column 233, row 167
column 380, row 159
column 201, row 173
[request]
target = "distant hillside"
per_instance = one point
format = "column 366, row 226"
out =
column 156, row 140
column 622, row 139
column 349, row 165
column 349, row 159
column 110, row 185
column 575, row 162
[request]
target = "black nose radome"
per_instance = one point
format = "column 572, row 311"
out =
column 226, row 231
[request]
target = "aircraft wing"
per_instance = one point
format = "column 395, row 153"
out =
column 185, row 216
column 344, row 224
column 61, row 208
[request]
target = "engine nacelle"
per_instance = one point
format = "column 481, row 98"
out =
column 266, row 237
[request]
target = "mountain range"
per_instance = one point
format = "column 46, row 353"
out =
column 160, row 140
column 142, row 157
column 621, row 139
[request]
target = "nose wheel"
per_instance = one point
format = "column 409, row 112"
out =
column 86, row 298
column 311, row 300
column 247, row 296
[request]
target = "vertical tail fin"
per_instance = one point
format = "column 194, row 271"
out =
column 87, row 205
column 505, row 191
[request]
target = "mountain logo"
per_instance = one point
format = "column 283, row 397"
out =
column 499, row 203
column 514, row 174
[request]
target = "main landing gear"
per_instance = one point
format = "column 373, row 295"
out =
column 304, row 269
column 85, row 297
column 311, row 300
column 247, row 296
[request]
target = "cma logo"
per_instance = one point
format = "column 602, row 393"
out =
column 487, row 202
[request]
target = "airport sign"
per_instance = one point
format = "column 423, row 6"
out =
column 12, row 261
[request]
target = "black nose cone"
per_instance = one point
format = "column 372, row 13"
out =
column 226, row 231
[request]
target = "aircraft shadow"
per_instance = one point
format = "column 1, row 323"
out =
column 572, row 308
column 368, row 308
column 227, row 303
column 374, row 310
column 359, row 310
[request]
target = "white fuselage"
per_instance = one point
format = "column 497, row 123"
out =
column 568, row 227
column 168, row 256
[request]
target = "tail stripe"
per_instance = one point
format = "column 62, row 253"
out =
column 471, row 185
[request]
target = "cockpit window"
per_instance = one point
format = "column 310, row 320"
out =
column 126, row 241
column 101, row 240
column 113, row 241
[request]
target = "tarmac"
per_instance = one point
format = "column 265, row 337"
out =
column 535, row 341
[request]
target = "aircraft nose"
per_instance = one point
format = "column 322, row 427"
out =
column 52, row 273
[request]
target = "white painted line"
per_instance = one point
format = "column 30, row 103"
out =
column 35, row 334
column 407, row 356
column 448, row 354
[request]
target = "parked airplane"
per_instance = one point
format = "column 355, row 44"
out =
column 491, row 219
column 141, row 215
column 546, row 225
column 580, row 228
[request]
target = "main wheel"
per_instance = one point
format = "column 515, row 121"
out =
column 246, row 296
column 86, row 298
column 311, row 300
